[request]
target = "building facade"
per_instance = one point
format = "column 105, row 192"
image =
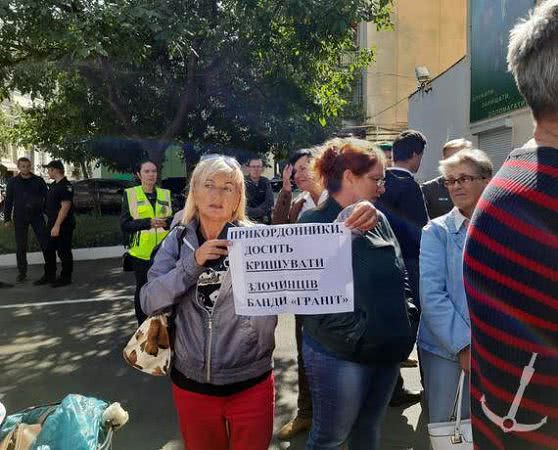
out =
column 441, row 113
column 499, row 119
column 10, row 152
column 476, row 98
column 427, row 33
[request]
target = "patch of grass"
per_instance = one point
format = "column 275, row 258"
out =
column 90, row 231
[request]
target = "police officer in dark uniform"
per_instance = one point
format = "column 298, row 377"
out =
column 60, row 224
column 25, row 204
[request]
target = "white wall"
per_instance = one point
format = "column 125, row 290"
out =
column 441, row 114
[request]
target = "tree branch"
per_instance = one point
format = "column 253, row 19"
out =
column 187, row 99
column 114, row 99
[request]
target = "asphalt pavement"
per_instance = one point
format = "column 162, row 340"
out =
column 69, row 340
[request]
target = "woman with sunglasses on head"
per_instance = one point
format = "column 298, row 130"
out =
column 222, row 368
column 444, row 336
column 352, row 359
column 145, row 220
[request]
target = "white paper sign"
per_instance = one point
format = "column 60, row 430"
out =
column 298, row 269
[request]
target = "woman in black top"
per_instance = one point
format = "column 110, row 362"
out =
column 352, row 359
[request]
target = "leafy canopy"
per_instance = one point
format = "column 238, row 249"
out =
column 254, row 74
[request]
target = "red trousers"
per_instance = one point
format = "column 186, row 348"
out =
column 242, row 421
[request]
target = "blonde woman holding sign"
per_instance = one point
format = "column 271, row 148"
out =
column 222, row 370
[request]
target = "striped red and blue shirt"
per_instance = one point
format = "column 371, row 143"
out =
column 511, row 280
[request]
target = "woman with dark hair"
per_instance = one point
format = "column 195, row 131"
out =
column 288, row 211
column 352, row 359
column 312, row 192
column 145, row 221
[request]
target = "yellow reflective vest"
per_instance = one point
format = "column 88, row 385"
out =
column 145, row 241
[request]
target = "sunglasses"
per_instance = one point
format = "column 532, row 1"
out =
column 231, row 162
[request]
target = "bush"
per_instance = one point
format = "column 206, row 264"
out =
column 91, row 231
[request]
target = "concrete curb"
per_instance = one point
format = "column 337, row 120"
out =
column 80, row 254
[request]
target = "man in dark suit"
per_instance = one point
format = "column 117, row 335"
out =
column 403, row 202
column 436, row 195
column 403, row 205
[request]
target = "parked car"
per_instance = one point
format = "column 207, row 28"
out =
column 102, row 193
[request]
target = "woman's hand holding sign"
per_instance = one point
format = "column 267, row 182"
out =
column 363, row 217
column 211, row 250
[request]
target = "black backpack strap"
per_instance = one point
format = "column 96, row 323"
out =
column 180, row 235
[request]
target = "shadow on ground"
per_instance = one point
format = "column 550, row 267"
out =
column 102, row 278
column 77, row 349
column 49, row 351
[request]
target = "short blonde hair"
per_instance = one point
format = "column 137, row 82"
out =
column 476, row 158
column 457, row 144
column 212, row 165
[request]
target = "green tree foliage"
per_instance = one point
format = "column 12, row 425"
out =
column 10, row 116
column 5, row 132
column 251, row 74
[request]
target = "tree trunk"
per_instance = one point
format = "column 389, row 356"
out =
column 156, row 153
column 84, row 169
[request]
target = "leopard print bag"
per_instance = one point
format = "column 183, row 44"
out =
column 149, row 349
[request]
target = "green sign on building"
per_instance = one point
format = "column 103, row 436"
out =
column 493, row 90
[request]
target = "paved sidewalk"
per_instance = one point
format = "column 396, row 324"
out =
column 80, row 254
column 69, row 340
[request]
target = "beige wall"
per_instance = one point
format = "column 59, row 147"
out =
column 523, row 127
column 429, row 33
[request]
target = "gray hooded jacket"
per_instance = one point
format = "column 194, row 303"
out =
column 217, row 348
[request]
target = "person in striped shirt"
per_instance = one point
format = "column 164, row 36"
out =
column 511, row 264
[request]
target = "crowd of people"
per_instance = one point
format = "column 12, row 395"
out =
column 463, row 265
column 222, row 373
